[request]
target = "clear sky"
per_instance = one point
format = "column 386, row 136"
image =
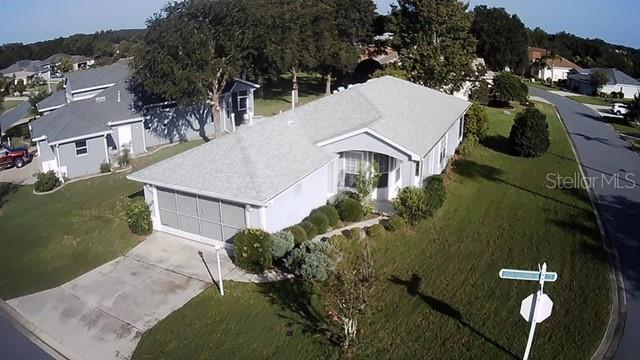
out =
column 615, row 21
column 26, row 21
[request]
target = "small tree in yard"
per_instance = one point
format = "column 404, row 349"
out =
column 139, row 217
column 598, row 79
column 366, row 181
column 125, row 157
column 529, row 135
column 347, row 295
column 20, row 87
column 508, row 87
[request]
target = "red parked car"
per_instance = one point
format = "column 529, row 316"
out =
column 14, row 156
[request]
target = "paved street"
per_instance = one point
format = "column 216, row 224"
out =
column 15, row 346
column 616, row 172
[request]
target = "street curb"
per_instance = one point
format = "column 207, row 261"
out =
column 45, row 342
column 615, row 327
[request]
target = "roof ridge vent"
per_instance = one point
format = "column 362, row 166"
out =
column 101, row 99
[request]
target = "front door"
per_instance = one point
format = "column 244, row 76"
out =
column 124, row 137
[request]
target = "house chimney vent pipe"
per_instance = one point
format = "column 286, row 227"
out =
column 118, row 95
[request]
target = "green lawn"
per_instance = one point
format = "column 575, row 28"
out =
column 625, row 128
column 50, row 239
column 9, row 104
column 438, row 294
column 594, row 100
column 277, row 97
column 542, row 86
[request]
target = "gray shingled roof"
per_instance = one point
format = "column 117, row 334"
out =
column 23, row 65
column 411, row 115
column 12, row 117
column 84, row 117
column 260, row 161
column 616, row 77
column 56, row 99
column 251, row 165
column 103, row 75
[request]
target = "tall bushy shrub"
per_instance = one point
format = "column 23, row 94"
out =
column 350, row 210
column 313, row 261
column 139, row 217
column 282, row 243
column 394, row 223
column 434, row 194
column 529, row 135
column 476, row 123
column 46, row 181
column 253, row 250
column 508, row 87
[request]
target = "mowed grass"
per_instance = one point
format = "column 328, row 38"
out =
column 276, row 98
column 50, row 239
column 593, row 100
column 630, row 132
column 437, row 294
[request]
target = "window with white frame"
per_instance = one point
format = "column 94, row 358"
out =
column 443, row 149
column 353, row 161
column 81, row 148
column 243, row 97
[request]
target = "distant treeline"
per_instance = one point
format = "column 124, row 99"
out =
column 588, row 52
column 101, row 45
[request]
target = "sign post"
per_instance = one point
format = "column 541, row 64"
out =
column 536, row 307
column 219, row 270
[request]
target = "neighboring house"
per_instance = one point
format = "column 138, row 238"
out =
column 546, row 68
column 97, row 116
column 579, row 81
column 271, row 174
column 477, row 64
column 237, row 104
column 17, row 116
column 26, row 70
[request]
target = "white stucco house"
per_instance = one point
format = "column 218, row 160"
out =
column 272, row 173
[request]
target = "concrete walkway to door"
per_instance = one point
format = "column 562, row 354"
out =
column 103, row 313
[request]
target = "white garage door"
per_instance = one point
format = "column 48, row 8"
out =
column 209, row 218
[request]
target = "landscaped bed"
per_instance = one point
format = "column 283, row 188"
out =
column 437, row 293
column 49, row 239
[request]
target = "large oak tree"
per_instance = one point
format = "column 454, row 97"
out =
column 436, row 45
column 502, row 38
column 189, row 52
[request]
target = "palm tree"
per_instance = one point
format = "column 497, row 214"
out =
column 550, row 56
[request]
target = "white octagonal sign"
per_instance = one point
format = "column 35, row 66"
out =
column 545, row 305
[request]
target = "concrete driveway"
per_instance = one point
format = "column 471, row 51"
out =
column 615, row 170
column 24, row 175
column 103, row 313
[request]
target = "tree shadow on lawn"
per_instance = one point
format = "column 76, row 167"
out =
column 297, row 300
column 441, row 307
column 474, row 170
column 497, row 143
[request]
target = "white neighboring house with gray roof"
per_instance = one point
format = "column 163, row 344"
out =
column 579, row 80
column 97, row 116
column 271, row 174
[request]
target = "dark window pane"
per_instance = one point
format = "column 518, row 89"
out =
column 349, row 180
column 383, row 180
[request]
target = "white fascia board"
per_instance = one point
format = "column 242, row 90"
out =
column 127, row 121
column 51, row 108
column 40, row 138
column 68, row 140
column 413, row 155
column 210, row 194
